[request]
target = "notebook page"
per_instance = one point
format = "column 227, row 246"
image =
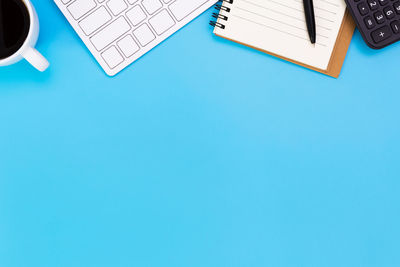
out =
column 279, row 27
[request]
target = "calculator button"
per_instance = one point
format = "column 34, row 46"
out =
column 373, row 4
column 383, row 2
column 363, row 8
column 381, row 34
column 397, row 7
column 369, row 22
column 389, row 12
column 379, row 17
column 396, row 26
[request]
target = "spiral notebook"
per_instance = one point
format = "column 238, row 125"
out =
column 278, row 27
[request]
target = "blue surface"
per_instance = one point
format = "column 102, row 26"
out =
column 203, row 153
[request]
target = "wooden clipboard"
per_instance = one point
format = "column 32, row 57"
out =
column 339, row 51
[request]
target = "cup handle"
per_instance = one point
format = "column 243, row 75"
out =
column 36, row 59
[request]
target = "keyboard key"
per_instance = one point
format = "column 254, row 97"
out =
column 381, row 34
column 128, row 46
column 379, row 17
column 118, row 32
column 81, row 7
column 162, row 22
column 152, row 6
column 395, row 26
column 136, row 15
column 369, row 22
column 117, row 6
column 182, row 8
column 144, row 35
column 389, row 12
column 112, row 57
column 363, row 8
column 95, row 20
column 109, row 34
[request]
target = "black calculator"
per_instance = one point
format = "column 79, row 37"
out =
column 377, row 20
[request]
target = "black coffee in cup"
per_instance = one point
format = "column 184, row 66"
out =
column 14, row 26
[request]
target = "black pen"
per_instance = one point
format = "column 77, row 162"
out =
column 310, row 19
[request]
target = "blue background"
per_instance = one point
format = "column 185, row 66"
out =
column 202, row 153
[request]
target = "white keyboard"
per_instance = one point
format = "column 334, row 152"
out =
column 118, row 32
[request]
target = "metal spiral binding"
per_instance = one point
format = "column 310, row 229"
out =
column 220, row 6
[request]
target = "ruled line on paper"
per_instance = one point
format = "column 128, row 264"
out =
column 273, row 28
column 298, row 10
column 316, row 6
column 282, row 22
column 300, row 18
column 279, row 27
column 290, row 14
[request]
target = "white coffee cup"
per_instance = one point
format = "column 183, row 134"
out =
column 27, row 50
